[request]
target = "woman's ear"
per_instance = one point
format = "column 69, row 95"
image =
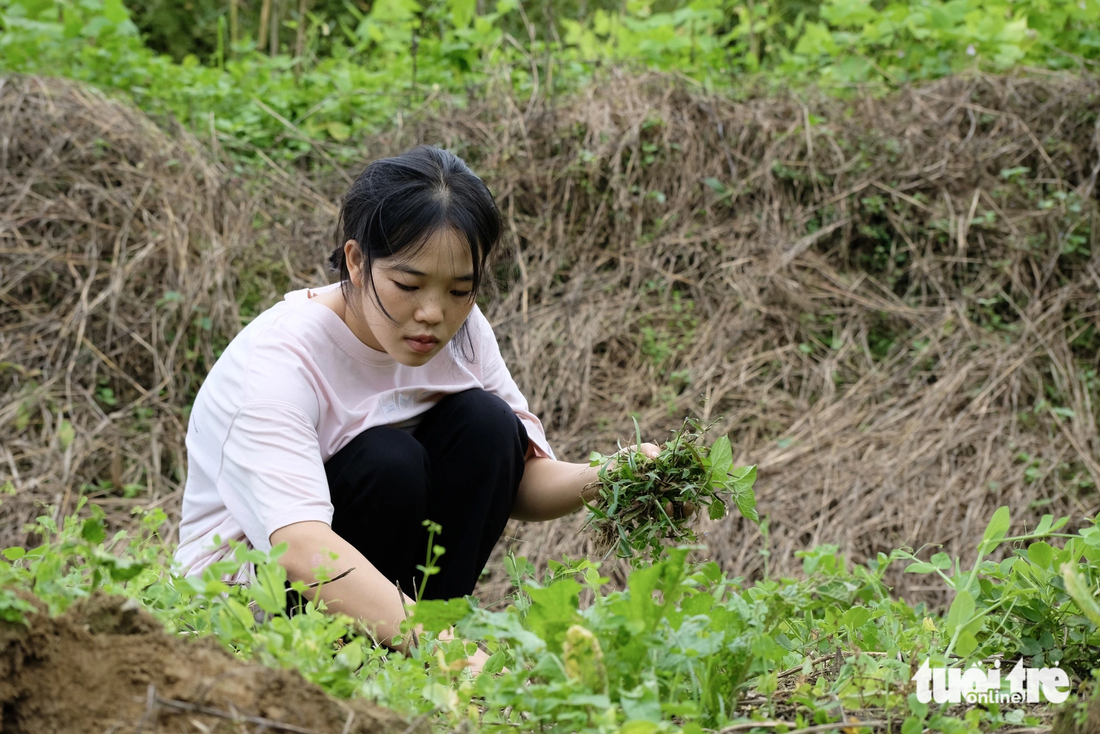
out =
column 354, row 258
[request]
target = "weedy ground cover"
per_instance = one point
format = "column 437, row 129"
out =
column 341, row 74
column 863, row 405
column 644, row 503
column 682, row 647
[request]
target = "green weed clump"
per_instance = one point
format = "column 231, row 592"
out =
column 645, row 504
column 681, row 648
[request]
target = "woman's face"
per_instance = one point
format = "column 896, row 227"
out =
column 428, row 295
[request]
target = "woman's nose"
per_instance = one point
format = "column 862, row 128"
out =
column 429, row 310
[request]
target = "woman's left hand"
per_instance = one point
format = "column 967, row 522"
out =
column 650, row 450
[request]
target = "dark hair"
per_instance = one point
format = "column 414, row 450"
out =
column 397, row 204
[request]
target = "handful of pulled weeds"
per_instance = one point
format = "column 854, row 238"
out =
column 644, row 504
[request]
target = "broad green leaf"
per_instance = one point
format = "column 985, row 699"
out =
column 339, row 131
column 643, row 704
column 444, row 697
column 115, row 11
column 1029, row 646
column 855, row 617
column 683, row 709
column 997, row 528
column 352, row 656
column 743, row 478
column 912, row 725
column 742, row 472
column 1041, row 554
column 962, row 608
column 641, row 610
column 553, row 611
column 768, row 683
column 439, row 614
column 1081, row 594
column 717, row 509
column 120, row 569
column 966, row 644
column 746, row 504
column 920, row 567
column 941, row 561
column 462, row 12
column 721, row 459
column 92, row 531
column 240, row 611
column 715, row 184
column 14, row 553
column 1044, row 524
column 495, row 663
column 269, row 591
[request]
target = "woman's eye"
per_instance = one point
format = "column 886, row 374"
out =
column 461, row 294
column 407, row 288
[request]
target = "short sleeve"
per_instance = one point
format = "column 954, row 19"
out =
column 271, row 472
column 496, row 379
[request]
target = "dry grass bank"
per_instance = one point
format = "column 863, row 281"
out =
column 890, row 305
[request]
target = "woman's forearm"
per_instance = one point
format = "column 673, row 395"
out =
column 364, row 594
column 551, row 489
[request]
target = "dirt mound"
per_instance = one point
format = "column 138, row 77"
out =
column 107, row 665
column 1082, row 714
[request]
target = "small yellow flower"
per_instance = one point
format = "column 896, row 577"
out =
column 929, row 625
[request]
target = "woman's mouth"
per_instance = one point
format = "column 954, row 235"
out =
column 421, row 344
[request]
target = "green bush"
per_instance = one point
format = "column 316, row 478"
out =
column 358, row 68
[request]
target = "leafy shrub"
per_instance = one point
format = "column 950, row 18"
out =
column 352, row 70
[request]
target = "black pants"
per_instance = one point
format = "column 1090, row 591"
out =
column 459, row 468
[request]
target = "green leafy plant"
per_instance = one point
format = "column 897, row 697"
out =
column 1039, row 601
column 349, row 70
column 679, row 647
column 643, row 504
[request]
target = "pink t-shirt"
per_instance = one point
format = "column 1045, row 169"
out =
column 293, row 388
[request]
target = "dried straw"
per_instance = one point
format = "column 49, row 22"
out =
column 900, row 423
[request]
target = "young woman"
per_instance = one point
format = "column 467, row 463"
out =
column 344, row 416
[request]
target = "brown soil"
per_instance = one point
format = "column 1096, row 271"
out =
column 108, row 666
column 1080, row 716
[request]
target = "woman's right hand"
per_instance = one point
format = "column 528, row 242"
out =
column 358, row 589
column 474, row 663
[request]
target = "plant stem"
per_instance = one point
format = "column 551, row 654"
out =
column 265, row 15
column 234, row 30
column 300, row 36
column 273, row 31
